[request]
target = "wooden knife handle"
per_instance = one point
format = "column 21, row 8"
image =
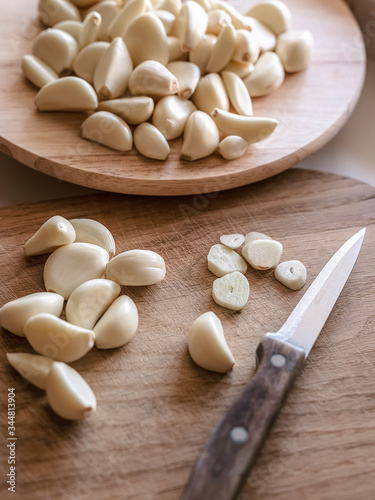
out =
column 226, row 459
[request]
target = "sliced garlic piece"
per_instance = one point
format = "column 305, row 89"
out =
column 67, row 94
column 265, row 38
column 274, row 14
column 146, row 40
column 231, row 291
column 108, row 129
column 174, row 49
column 207, row 345
column 191, row 23
column 56, row 48
column 167, row 18
column 201, row 137
column 246, row 49
column 150, row 142
column 222, row 260
column 85, row 63
column 153, row 79
column 89, row 301
column 90, row 29
column 54, row 233
column 71, row 265
column 113, row 70
column 32, row 367
column 217, row 19
column 187, row 74
column 37, row 71
column 136, row 268
column 133, row 110
column 130, row 11
column 294, row 48
column 232, row 241
column 118, row 325
column 72, row 27
column 254, row 235
column 292, row 274
column 240, row 69
column 14, row 314
column 267, row 76
column 92, row 231
column 68, row 394
column 223, row 49
column 173, row 6
column 109, row 10
column 210, row 94
column 232, row 147
column 171, row 114
column 263, row 254
column 55, row 11
column 202, row 52
column 237, row 92
column 58, row 339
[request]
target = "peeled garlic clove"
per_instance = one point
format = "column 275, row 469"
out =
column 56, row 48
column 232, row 241
column 118, row 325
column 237, row 93
column 68, row 394
column 294, row 48
column 84, row 3
column 254, row 235
column 252, row 129
column 265, row 38
column 207, row 345
column 136, row 268
column 58, row 339
column 231, row 291
column 217, row 19
column 108, row 129
column 167, row 18
column 235, row 16
column 240, row 69
column 73, row 28
column 89, row 301
column 267, row 76
column 263, row 254
column 55, row 11
column 71, row 265
column 202, row 52
column 90, row 29
column 221, row 260
column 146, row 40
column 16, row 313
column 113, row 70
column 172, row 6
column 174, row 49
column 67, row 94
column 92, row 231
column 32, row 367
column 232, row 147
column 206, row 4
column 201, row 137
column 192, row 21
column 210, row 93
column 37, row 71
column 150, row 142
column 274, row 14
column 109, row 10
column 153, row 79
column 223, row 49
column 246, row 49
column 292, row 274
column 130, row 11
column 133, row 110
column 85, row 63
column 54, row 233
column 187, row 74
column 171, row 114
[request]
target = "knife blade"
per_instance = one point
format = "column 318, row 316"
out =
column 227, row 457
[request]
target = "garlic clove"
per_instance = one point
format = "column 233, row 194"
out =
column 246, row 49
column 136, row 268
column 37, row 71
column 90, row 29
column 201, row 137
column 232, row 147
column 89, row 301
column 68, row 394
column 67, row 94
column 56, row 48
column 206, row 4
column 14, row 314
column 133, row 110
column 254, row 235
column 207, row 345
column 58, row 339
column 237, row 19
column 129, row 12
column 109, row 10
column 118, row 325
column 55, row 11
column 231, row 291
column 191, row 24
column 252, row 129
column 171, row 114
column 108, row 129
column 223, row 49
column 84, row 3
column 232, row 241
column 240, row 69
column 174, row 50
column 274, row 14
column 167, row 18
column 187, row 74
column 71, row 265
column 85, row 63
column 217, row 19
column 292, row 274
column 173, row 6
column 153, row 79
column 54, row 233
column 268, row 75
column 32, row 367
column 150, row 142
column 263, row 254
column 202, row 52
column 210, row 93
column 92, row 231
column 294, row 48
column 237, row 92
column 264, row 36
column 222, row 260
column 73, row 28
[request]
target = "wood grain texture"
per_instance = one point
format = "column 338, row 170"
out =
column 156, row 408
column 311, row 107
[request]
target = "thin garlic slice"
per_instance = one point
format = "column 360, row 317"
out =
column 263, row 254
column 130, row 11
column 254, row 235
column 222, row 260
column 202, row 52
column 118, row 325
column 133, row 110
column 232, row 241
column 109, row 10
column 232, row 147
column 90, row 29
column 55, row 11
column 37, row 71
column 210, row 94
column 201, row 137
column 223, row 49
column 53, row 233
column 67, row 94
column 231, row 291
column 84, row 65
column 268, row 75
column 207, row 345
column 32, row 367
column 274, row 14
column 68, row 394
column 191, row 21
column 136, row 268
column 150, row 142
column 58, row 339
column 246, row 49
column 92, row 231
column 264, row 36
column 187, row 74
column 294, row 48
column 237, row 92
column 56, row 48
column 153, row 79
column 108, row 129
column 171, row 114
column 292, row 274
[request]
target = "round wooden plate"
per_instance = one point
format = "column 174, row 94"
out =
column 311, row 107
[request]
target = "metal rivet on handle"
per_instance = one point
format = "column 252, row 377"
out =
column 278, row 360
column 239, row 434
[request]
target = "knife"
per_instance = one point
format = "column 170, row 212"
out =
column 228, row 455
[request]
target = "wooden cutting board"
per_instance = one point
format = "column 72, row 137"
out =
column 155, row 406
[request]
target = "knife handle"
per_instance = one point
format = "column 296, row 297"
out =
column 226, row 459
